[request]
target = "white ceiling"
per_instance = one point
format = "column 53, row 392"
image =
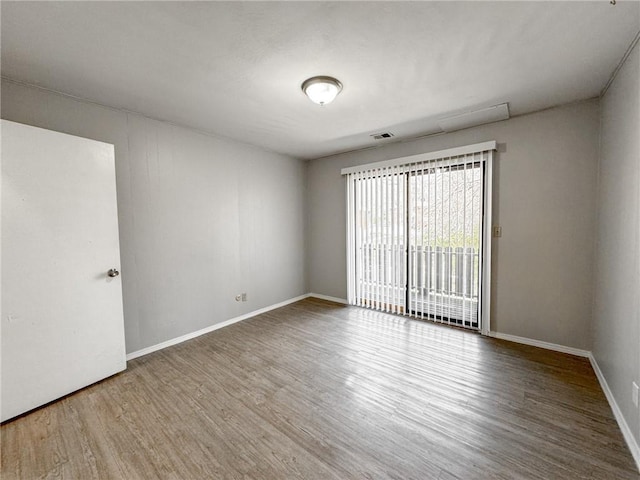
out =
column 235, row 68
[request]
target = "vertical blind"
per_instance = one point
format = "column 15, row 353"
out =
column 417, row 234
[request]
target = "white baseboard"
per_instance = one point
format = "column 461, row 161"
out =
column 624, row 427
column 539, row 343
column 328, row 298
column 622, row 423
column 189, row 336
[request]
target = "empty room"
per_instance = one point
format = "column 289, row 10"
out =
column 320, row 240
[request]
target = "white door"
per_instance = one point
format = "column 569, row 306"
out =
column 62, row 322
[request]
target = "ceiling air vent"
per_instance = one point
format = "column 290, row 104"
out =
column 380, row 136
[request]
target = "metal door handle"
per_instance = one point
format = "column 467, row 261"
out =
column 113, row 272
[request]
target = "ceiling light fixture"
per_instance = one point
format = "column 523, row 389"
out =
column 322, row 89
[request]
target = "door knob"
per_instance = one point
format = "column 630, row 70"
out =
column 113, row 272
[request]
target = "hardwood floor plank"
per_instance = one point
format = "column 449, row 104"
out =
column 317, row 390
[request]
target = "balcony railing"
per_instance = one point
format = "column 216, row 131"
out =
column 443, row 281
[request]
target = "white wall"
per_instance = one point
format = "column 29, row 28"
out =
column 616, row 327
column 202, row 218
column 545, row 185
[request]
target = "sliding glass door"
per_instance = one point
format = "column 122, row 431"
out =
column 445, row 228
column 417, row 238
column 380, row 241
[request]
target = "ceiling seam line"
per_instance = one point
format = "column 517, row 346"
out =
column 134, row 112
column 622, row 61
column 399, row 140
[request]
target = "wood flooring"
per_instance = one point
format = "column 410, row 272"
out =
column 316, row 390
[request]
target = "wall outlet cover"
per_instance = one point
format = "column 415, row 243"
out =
column 634, row 393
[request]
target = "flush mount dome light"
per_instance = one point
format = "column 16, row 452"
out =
column 321, row 90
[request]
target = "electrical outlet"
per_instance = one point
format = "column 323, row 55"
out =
column 497, row 231
column 238, row 298
column 244, row 297
column 634, row 393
